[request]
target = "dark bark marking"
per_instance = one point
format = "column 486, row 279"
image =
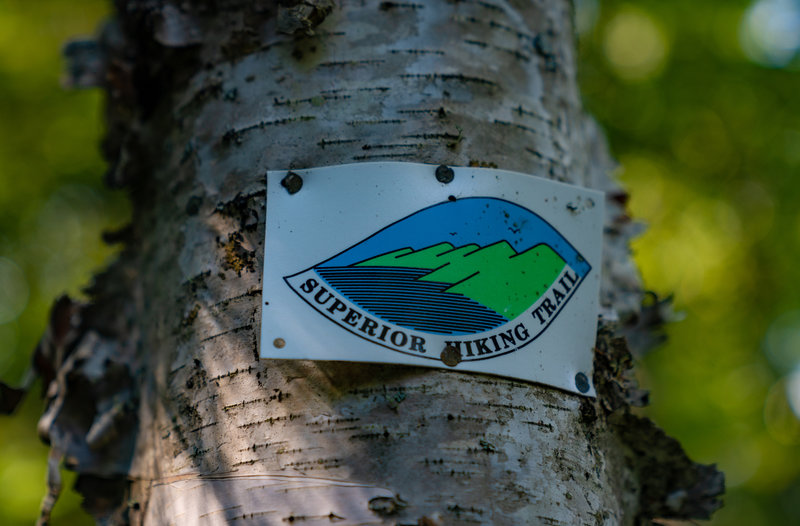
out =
column 483, row 45
column 311, row 465
column 439, row 112
column 244, row 403
column 417, row 51
column 388, row 6
column 545, row 49
column 492, row 7
column 332, row 517
column 372, row 122
column 391, row 146
column 318, row 100
column 230, row 331
column 510, row 384
column 513, row 52
column 279, row 396
column 513, row 407
column 235, row 135
column 496, row 25
column 248, row 516
column 344, row 63
column 256, row 447
column 558, row 408
column 384, row 156
column 197, row 453
column 249, row 294
column 464, row 418
column 386, row 506
column 195, row 430
column 219, row 511
column 284, row 451
column 334, row 421
column 336, row 429
column 231, row 374
column 458, row 510
column 455, row 77
column 540, row 424
column 374, row 88
column 522, row 111
column 518, row 126
column 549, row 521
column 251, row 462
column 540, row 155
column 271, row 420
column 324, row 142
column 432, row 136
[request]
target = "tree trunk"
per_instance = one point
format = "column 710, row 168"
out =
column 158, row 396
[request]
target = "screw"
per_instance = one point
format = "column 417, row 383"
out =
column 451, row 356
column 292, row 182
column 444, row 174
column 279, row 343
column 582, row 382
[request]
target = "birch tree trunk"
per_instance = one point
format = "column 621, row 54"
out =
column 158, row 397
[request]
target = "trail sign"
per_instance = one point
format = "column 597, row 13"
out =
column 472, row 269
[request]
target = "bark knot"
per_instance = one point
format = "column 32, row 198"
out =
column 301, row 17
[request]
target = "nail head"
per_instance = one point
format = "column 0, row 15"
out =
column 582, row 382
column 292, row 182
column 444, row 174
column 451, row 356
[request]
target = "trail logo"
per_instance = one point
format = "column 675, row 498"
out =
column 492, row 289
column 492, row 271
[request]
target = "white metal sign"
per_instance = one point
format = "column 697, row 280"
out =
column 472, row 269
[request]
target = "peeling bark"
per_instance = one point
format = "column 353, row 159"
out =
column 158, row 398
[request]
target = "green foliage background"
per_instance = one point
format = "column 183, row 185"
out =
column 53, row 208
column 706, row 127
column 705, row 122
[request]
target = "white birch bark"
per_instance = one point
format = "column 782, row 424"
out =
column 162, row 403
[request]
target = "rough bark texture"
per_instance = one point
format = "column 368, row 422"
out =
column 158, row 397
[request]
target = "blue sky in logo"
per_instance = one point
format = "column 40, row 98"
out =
column 478, row 220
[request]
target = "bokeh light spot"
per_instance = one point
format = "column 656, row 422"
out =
column 635, row 45
column 782, row 341
column 793, row 391
column 779, row 419
column 770, row 32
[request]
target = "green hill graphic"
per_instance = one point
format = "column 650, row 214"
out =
column 495, row 276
